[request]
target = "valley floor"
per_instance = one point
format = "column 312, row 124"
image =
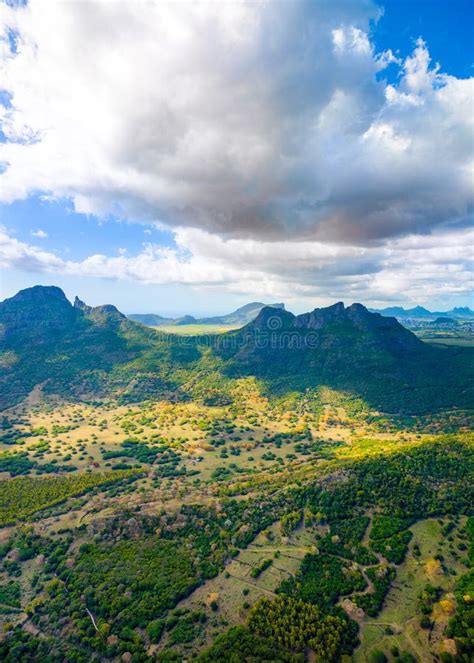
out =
column 255, row 499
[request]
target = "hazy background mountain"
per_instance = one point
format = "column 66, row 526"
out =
column 249, row 312
column 419, row 312
column 240, row 316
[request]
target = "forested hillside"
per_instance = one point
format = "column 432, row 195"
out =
column 85, row 352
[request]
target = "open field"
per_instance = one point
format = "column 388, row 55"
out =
column 234, row 590
column 251, row 434
column 239, row 468
column 195, row 330
column 398, row 624
column 447, row 338
column 187, row 450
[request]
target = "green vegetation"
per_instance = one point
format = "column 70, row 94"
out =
column 384, row 527
column 394, row 547
column 296, row 626
column 433, row 478
column 239, row 644
column 381, row 579
column 290, row 521
column 344, row 539
column 131, row 582
column 22, row 497
column 461, row 626
column 19, row 462
column 322, row 579
column 210, row 499
column 10, row 594
column 257, row 570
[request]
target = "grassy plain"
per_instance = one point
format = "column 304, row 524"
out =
column 188, row 453
column 398, row 624
column 195, row 330
column 252, row 440
column 461, row 339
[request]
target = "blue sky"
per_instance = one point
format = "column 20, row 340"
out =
column 446, row 25
column 205, row 252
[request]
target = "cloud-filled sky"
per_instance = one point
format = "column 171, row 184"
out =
column 189, row 156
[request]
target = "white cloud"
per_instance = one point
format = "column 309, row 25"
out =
column 14, row 253
column 262, row 132
column 249, row 119
column 412, row 269
column 41, row 234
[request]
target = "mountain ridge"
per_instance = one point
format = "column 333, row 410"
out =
column 81, row 352
column 458, row 312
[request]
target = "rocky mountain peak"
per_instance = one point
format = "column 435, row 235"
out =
column 106, row 311
column 272, row 319
column 40, row 294
column 78, row 303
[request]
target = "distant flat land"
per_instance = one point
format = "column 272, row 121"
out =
column 437, row 338
column 465, row 340
column 195, row 330
column 461, row 342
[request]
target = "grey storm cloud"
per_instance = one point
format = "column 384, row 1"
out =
column 258, row 120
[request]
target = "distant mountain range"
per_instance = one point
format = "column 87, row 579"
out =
column 245, row 314
column 89, row 353
column 418, row 312
column 239, row 317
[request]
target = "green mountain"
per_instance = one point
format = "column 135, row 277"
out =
column 96, row 352
column 240, row 316
column 351, row 349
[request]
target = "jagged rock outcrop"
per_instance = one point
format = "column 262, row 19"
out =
column 78, row 303
column 340, row 325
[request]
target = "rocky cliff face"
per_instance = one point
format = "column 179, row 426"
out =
column 82, row 306
column 36, row 312
column 337, row 325
column 42, row 311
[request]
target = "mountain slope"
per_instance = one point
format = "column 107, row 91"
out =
column 354, row 350
column 69, row 349
column 95, row 352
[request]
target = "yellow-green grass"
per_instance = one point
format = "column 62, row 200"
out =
column 195, row 330
column 401, row 611
column 185, row 427
column 462, row 342
column 447, row 338
column 235, row 588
